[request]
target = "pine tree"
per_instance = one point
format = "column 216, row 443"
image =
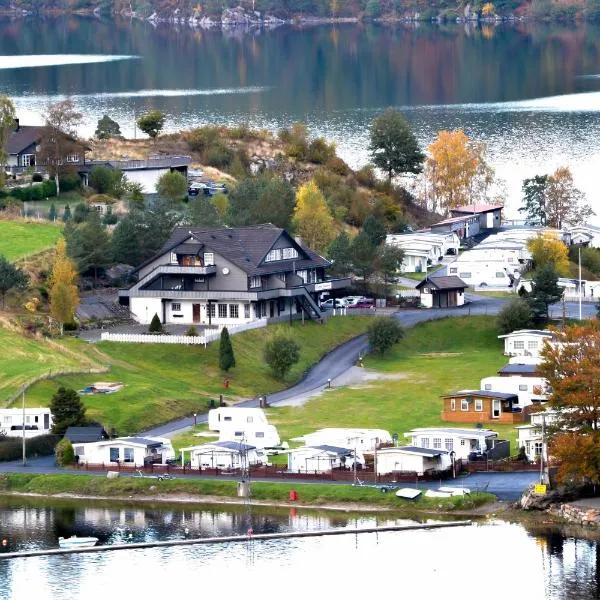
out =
column 226, row 357
column 64, row 293
column 155, row 325
column 52, row 214
column 67, row 410
column 66, row 214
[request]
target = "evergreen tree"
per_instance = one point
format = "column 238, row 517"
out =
column 203, row 213
column 226, row 357
column 88, row 245
column 125, row 243
column 67, row 410
column 545, row 291
column 11, row 277
column 364, row 254
column 534, row 200
column 66, row 214
column 155, row 325
column 52, row 214
column 107, row 128
column 340, row 254
column 374, row 229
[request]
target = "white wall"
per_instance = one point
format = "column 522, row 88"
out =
column 527, row 388
column 213, row 457
column 461, row 445
column 99, row 452
column 143, row 309
column 148, row 178
column 231, row 416
column 532, row 344
column 392, row 460
column 427, row 300
column 361, row 441
column 255, row 434
column 10, row 417
column 490, row 274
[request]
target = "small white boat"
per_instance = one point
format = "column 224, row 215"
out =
column 436, row 494
column 409, row 493
column 455, row 491
column 77, row 542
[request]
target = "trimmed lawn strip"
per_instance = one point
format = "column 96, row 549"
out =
column 22, row 238
column 164, row 381
column 313, row 494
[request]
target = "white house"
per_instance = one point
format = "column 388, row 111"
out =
column 323, row 459
column 422, row 249
column 361, row 440
column 135, row 451
column 530, row 390
column 412, row 459
column 461, row 441
column 247, row 425
column 223, row 455
column 38, row 421
column 526, row 342
column 530, row 435
column 584, row 235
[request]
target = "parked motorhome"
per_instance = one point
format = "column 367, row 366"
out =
column 323, row 459
column 38, row 421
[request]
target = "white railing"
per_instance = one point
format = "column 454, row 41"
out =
column 205, row 338
column 409, row 293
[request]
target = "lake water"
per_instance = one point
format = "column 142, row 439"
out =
column 496, row 560
column 531, row 92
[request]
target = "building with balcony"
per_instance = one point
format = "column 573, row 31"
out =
column 228, row 277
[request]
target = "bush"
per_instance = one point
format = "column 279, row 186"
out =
column 383, row 333
column 517, row 314
column 155, row 325
column 338, row 166
column 319, row 152
column 218, row 156
column 65, row 455
column 281, row 353
column 202, row 138
column 69, row 182
column 366, row 176
column 226, row 356
column 72, row 326
column 191, row 332
column 110, row 219
column 37, row 178
column 42, row 445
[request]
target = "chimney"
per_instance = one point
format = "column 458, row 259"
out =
column 17, row 126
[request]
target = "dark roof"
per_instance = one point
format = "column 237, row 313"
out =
column 24, row 137
column 334, row 449
column 140, row 440
column 83, row 435
column 188, row 248
column 444, row 282
column 234, row 446
column 245, row 247
column 415, row 450
column 477, row 208
column 518, row 369
column 482, row 394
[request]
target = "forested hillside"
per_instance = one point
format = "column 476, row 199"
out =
column 321, row 9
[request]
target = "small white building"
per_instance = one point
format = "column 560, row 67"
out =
column 247, row 425
column 411, row 459
column 530, row 435
column 323, row 459
column 530, row 390
column 38, row 421
column 361, row 440
column 442, row 291
column 422, row 249
column 490, row 215
column 223, row 455
column 133, row 451
column 526, row 342
column 453, row 439
column 584, row 235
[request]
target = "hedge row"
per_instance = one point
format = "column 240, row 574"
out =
column 37, row 191
column 12, row 448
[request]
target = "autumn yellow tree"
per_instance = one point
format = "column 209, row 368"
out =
column 64, row 292
column 456, row 171
column 312, row 218
column 547, row 249
column 572, row 370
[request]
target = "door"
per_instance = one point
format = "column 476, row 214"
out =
column 196, row 313
column 272, row 309
column 452, row 298
column 46, row 421
column 496, row 410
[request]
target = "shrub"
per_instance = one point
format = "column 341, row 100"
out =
column 191, row 332
column 37, row 178
column 110, row 218
column 281, row 352
column 12, row 448
column 383, row 333
column 70, row 326
column 319, row 151
column 202, row 138
column 65, row 455
column 226, row 356
column 338, row 166
column 69, row 182
column 155, row 325
column 218, row 156
column 366, row 176
column 517, row 314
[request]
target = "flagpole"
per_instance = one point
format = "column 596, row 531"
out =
column 580, row 284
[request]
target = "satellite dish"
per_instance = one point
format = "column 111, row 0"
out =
column 225, row 271
column 38, row 148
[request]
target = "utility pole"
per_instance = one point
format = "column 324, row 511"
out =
column 23, row 431
column 544, row 477
column 580, row 285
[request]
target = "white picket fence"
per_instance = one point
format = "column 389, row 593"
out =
column 204, row 339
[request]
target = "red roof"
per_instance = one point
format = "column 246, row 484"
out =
column 477, row 208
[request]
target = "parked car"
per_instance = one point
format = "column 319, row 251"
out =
column 352, row 300
column 332, row 303
column 195, row 189
column 363, row 304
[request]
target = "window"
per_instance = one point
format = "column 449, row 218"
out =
column 519, row 345
column 499, row 274
column 464, row 405
column 437, row 443
column 222, row 311
column 210, row 309
column 289, row 253
column 537, row 448
column 478, row 405
column 238, row 434
column 28, row 160
column 127, row 454
column 532, row 345
column 27, row 419
column 255, row 282
column 273, row 255
column 7, row 420
column 453, row 271
column 449, row 444
column 173, row 258
column 452, row 404
column 303, row 275
column 246, row 311
column 462, row 443
column 79, row 450
column 510, row 259
column 72, row 158
column 260, row 434
column 424, row 442
column 487, row 387
column 226, row 418
column 209, row 259
column 465, row 275
column 234, row 311
column 522, row 387
column 312, row 276
column 176, row 307
column 249, row 419
column 113, row 454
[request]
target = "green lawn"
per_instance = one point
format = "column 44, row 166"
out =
column 24, row 358
column 164, row 381
column 435, row 358
column 421, row 276
column 22, row 238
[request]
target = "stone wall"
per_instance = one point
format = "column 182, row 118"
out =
column 582, row 515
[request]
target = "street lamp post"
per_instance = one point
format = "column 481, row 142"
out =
column 195, row 414
column 452, row 459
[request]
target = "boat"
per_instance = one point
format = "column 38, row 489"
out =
column 408, row 493
column 77, row 542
